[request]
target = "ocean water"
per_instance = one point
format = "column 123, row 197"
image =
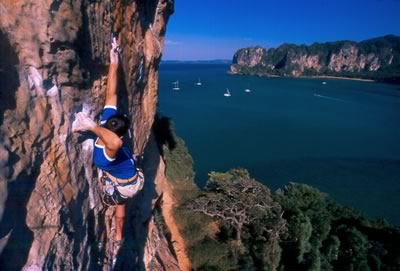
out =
column 342, row 137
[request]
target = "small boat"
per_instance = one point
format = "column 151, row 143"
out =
column 227, row 93
column 247, row 90
column 324, row 83
column 198, row 83
column 176, row 85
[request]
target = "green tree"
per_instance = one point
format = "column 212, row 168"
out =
column 238, row 200
column 245, row 205
column 354, row 250
column 308, row 226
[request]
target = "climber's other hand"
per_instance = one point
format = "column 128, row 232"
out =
column 82, row 123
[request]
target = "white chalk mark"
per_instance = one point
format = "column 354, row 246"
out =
column 53, row 91
column 4, row 240
column 62, row 138
column 34, row 78
column 86, row 109
column 140, row 71
column 87, row 150
column 156, row 39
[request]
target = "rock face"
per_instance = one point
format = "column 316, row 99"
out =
column 249, row 57
column 376, row 58
column 54, row 57
column 162, row 224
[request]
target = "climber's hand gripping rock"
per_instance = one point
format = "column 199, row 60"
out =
column 82, row 123
column 115, row 51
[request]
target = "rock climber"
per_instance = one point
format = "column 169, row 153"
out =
column 120, row 179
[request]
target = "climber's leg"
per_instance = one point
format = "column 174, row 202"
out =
column 119, row 221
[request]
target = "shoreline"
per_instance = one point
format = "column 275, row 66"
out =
column 339, row 78
column 306, row 76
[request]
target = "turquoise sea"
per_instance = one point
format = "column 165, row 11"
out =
column 342, row 137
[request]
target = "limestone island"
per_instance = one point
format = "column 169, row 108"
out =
column 375, row 59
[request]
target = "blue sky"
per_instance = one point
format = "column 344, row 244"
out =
column 215, row 29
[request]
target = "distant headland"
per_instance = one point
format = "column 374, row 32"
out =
column 375, row 59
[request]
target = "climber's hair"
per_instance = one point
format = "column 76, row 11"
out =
column 118, row 124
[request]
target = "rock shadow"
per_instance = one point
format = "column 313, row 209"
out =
column 163, row 132
column 16, row 251
column 93, row 67
column 139, row 213
column 140, row 209
column 13, row 222
column 9, row 78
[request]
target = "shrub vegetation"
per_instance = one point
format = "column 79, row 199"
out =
column 237, row 223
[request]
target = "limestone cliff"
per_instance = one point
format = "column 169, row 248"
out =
column 376, row 59
column 54, row 56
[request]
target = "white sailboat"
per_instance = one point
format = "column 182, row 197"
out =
column 198, row 83
column 247, row 90
column 176, row 85
column 227, row 93
column 324, row 83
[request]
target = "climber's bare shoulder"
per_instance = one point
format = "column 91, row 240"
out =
column 109, row 150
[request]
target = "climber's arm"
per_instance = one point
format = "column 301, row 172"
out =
column 111, row 141
column 111, row 92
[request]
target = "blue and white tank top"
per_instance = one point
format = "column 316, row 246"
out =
column 123, row 165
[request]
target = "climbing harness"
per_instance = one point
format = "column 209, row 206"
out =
column 108, row 185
